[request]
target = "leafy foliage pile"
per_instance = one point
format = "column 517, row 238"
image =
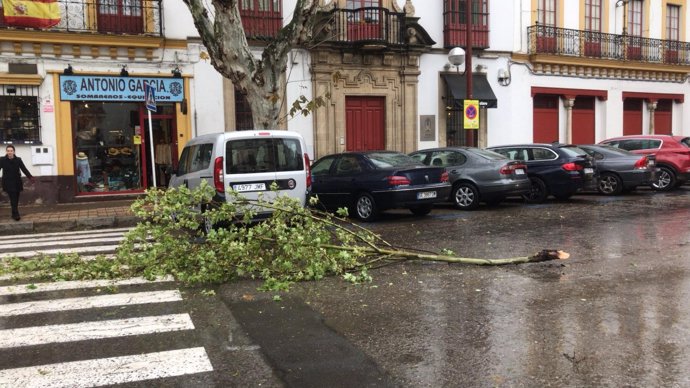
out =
column 293, row 244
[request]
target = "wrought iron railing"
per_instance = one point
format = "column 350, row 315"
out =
column 129, row 17
column 371, row 25
column 579, row 43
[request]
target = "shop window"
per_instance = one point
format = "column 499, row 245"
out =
column 106, row 143
column 20, row 116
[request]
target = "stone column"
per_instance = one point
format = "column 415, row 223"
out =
column 651, row 106
column 568, row 102
column 482, row 135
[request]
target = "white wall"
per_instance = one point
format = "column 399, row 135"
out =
column 299, row 84
column 177, row 20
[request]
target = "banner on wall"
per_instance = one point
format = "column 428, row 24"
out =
column 31, row 13
column 116, row 88
column 471, row 109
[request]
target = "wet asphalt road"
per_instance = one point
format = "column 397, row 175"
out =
column 617, row 313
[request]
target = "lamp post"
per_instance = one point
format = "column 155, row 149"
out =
column 457, row 55
column 468, row 45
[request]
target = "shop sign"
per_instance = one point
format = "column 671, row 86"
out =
column 115, row 88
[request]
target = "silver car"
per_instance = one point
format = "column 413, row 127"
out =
column 621, row 171
column 477, row 175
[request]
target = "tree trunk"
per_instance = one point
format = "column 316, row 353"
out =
column 261, row 80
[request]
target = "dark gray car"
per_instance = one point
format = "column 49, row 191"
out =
column 621, row 171
column 477, row 175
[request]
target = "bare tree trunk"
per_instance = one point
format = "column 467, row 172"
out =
column 261, row 79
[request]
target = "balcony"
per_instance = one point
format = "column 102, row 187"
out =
column 121, row 17
column 597, row 45
column 368, row 27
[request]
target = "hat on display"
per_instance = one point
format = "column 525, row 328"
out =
column 82, row 156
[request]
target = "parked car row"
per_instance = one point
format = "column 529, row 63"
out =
column 534, row 171
column 251, row 162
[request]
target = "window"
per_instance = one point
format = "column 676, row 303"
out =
column 543, row 154
column 672, row 33
column 546, row 13
column 355, row 4
column 261, row 18
column 120, row 16
column 20, row 115
column 593, row 15
column 672, row 22
column 263, row 155
column 455, row 23
column 195, row 158
column 243, row 112
column 635, row 17
column 323, row 166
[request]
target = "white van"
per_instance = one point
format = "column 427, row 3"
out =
column 248, row 162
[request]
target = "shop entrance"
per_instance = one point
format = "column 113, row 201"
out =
column 164, row 142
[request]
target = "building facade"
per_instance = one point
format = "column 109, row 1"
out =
column 72, row 96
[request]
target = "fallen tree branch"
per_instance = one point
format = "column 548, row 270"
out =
column 392, row 254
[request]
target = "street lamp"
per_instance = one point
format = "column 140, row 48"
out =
column 456, row 57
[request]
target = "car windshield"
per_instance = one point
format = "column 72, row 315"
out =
column 685, row 141
column 391, row 159
column 486, row 154
column 573, row 151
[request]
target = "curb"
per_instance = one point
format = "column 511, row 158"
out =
column 26, row 227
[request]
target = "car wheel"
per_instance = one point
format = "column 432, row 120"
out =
column 538, row 192
column 465, row 196
column 610, row 184
column 365, row 207
column 665, row 181
column 421, row 210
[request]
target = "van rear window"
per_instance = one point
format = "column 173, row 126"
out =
column 263, row 155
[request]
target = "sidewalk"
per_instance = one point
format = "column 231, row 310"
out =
column 66, row 217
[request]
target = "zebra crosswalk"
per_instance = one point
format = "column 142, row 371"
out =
column 75, row 334
column 87, row 243
column 80, row 334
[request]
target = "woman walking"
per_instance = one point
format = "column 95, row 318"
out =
column 10, row 166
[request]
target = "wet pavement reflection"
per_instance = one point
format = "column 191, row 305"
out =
column 615, row 314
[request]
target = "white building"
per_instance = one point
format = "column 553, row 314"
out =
column 543, row 70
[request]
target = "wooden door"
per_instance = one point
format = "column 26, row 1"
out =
column 632, row 116
column 663, row 117
column 583, row 120
column 545, row 118
column 365, row 123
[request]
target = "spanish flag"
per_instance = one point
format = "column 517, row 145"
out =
column 31, row 13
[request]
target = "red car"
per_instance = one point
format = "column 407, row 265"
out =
column 672, row 156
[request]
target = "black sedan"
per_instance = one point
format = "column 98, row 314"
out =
column 372, row 181
column 554, row 169
column 621, row 171
column 478, row 175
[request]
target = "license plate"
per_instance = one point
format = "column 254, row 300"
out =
column 249, row 187
column 589, row 170
column 519, row 171
column 426, row 195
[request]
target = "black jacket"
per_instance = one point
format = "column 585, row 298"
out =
column 11, row 177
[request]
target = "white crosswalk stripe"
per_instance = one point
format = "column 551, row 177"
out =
column 50, row 316
column 87, row 243
column 108, row 371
